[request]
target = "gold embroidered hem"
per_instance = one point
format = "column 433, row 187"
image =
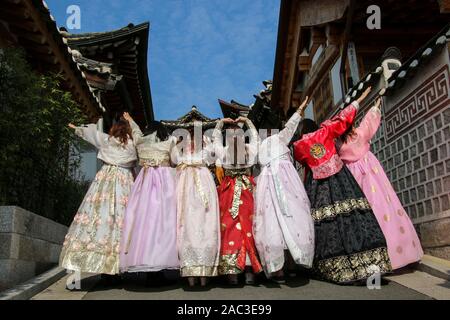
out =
column 233, row 173
column 242, row 182
column 340, row 207
column 150, row 163
column 199, row 271
column 90, row 262
column 227, row 264
column 354, row 267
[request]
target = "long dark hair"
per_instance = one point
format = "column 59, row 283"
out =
column 350, row 132
column 161, row 131
column 308, row 126
column 121, row 130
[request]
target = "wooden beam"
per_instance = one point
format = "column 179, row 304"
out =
column 444, row 6
column 288, row 44
column 37, row 38
column 320, row 69
column 83, row 94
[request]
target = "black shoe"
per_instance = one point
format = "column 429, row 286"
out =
column 250, row 278
column 155, row 279
column 278, row 279
column 233, row 281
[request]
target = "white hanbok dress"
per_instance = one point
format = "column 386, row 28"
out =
column 92, row 244
column 198, row 215
column 282, row 216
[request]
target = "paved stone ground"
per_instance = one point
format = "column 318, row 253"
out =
column 297, row 288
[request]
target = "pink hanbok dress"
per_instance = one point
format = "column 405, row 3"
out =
column 283, row 213
column 402, row 241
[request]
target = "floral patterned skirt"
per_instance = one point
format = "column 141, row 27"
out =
column 198, row 233
column 93, row 242
column 349, row 243
column 236, row 218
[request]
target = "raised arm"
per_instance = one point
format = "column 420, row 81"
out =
column 344, row 119
column 217, row 142
column 291, row 126
column 91, row 134
column 371, row 122
column 135, row 130
column 253, row 145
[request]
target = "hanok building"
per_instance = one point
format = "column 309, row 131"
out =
column 260, row 112
column 106, row 72
column 115, row 64
column 189, row 120
column 326, row 51
column 28, row 24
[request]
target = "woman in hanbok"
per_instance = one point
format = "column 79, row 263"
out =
column 402, row 241
column 236, row 189
column 149, row 241
column 282, row 216
column 198, row 211
column 349, row 243
column 92, row 244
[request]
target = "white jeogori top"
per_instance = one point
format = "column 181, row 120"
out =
column 110, row 150
column 151, row 151
column 183, row 154
column 233, row 155
column 276, row 147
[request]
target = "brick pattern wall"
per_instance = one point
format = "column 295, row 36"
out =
column 413, row 145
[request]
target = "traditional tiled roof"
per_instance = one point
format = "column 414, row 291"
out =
column 190, row 119
column 407, row 70
column 125, row 50
column 40, row 37
column 409, row 67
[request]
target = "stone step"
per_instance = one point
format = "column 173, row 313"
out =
column 435, row 266
column 32, row 287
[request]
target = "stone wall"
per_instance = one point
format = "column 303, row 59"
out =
column 29, row 245
column 413, row 145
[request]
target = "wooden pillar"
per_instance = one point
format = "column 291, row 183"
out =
column 444, row 6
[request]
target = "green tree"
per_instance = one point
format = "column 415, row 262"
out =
column 36, row 154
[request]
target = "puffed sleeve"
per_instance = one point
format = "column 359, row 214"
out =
column 218, row 143
column 370, row 123
column 337, row 125
column 210, row 150
column 298, row 152
column 253, row 145
column 91, row 134
column 136, row 132
column 175, row 154
column 291, row 126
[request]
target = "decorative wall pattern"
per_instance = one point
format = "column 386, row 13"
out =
column 413, row 145
column 419, row 105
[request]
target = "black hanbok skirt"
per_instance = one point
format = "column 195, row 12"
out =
column 349, row 243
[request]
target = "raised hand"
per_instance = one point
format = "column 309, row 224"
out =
column 72, row 126
column 364, row 94
column 302, row 107
column 377, row 103
column 228, row 120
column 241, row 119
column 127, row 116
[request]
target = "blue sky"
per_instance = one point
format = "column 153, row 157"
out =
column 199, row 50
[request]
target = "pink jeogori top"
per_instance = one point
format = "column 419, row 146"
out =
column 358, row 145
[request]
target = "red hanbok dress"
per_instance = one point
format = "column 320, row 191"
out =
column 349, row 243
column 236, row 201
